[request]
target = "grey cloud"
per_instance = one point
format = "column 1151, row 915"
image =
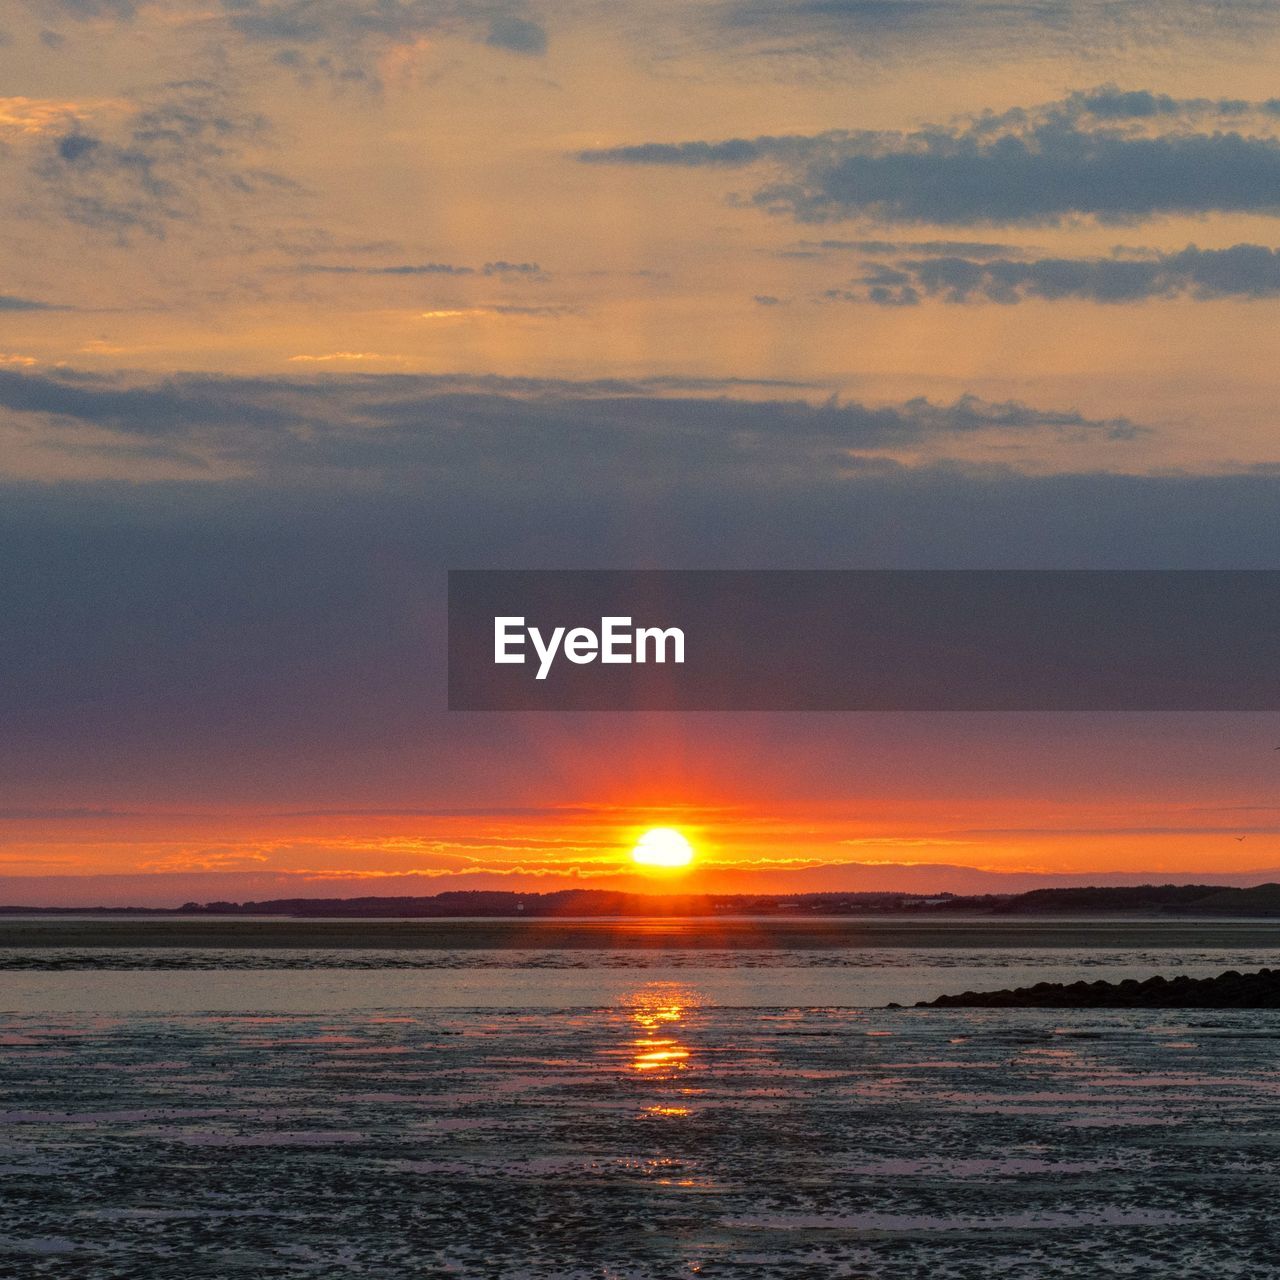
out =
column 732, row 153
column 1244, row 271
column 517, row 35
column 182, row 145
column 217, row 618
column 10, row 303
column 1137, row 104
column 933, row 248
column 1036, row 166
column 402, row 426
column 499, row 268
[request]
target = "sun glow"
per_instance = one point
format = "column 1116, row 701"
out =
column 662, row 847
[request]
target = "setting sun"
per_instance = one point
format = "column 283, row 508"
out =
column 662, row 847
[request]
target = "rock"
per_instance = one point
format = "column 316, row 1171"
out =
column 1230, row 990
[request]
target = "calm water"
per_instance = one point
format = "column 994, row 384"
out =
column 120, row 980
column 625, row 1116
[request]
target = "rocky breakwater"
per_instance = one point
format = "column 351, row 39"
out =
column 1230, row 990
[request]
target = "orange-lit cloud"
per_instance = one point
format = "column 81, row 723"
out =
column 35, row 117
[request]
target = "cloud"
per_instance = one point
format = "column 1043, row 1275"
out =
column 895, row 28
column 1107, row 155
column 333, row 356
column 499, row 268
column 89, row 10
column 359, row 41
column 186, row 143
column 25, row 118
column 10, row 303
column 1243, row 271
column 877, row 248
column 398, row 427
column 516, row 35
column 196, row 631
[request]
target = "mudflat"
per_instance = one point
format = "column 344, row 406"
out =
column 713, row 933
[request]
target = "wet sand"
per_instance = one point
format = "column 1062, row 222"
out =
column 635, row 934
column 652, row 1139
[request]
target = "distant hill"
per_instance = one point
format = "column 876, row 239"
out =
column 1165, row 899
column 591, row 902
column 1261, row 900
column 1143, row 897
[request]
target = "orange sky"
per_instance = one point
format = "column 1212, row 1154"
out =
column 302, row 304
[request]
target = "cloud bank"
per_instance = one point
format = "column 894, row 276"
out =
column 1109, row 155
column 398, row 426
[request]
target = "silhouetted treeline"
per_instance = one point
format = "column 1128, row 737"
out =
column 1167, row 899
column 589, row 902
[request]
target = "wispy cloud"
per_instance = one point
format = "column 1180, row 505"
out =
column 357, row 41
column 336, row 357
column 185, row 143
column 411, row 269
column 549, row 311
column 1243, row 271
column 881, row 29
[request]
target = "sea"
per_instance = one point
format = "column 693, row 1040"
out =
column 629, row 1114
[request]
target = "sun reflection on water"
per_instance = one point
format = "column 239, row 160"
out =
column 658, row 1051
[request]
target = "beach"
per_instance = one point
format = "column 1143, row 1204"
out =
column 634, row 1112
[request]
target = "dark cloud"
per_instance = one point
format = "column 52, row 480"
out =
column 162, row 623
column 9, row 303
column 1138, row 104
column 499, row 268
column 401, row 427
column 185, row 143
column 286, row 621
column 1245, row 271
column 517, row 35
column 1089, row 155
column 932, row 248
column 732, row 153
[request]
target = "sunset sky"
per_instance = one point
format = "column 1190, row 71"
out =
column 303, row 303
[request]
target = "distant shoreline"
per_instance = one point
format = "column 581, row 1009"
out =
column 631, row 933
column 1142, row 901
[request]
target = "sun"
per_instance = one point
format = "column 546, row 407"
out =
column 662, row 847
